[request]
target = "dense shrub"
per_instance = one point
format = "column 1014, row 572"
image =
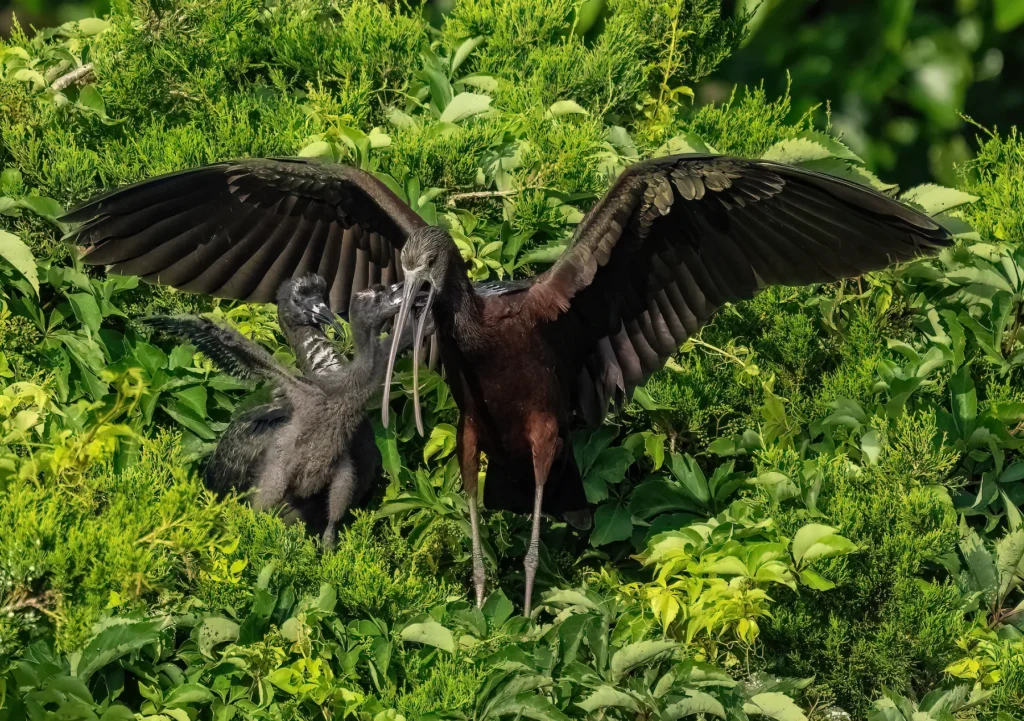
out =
column 817, row 500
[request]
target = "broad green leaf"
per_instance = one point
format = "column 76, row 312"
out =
column 612, row 522
column 566, row 107
column 318, row 149
column 42, row 206
column 216, row 630
column 15, row 252
column 797, row 150
column 871, row 447
column 680, row 144
column 387, row 444
column 464, row 51
column 113, row 643
column 637, row 654
column 807, row 536
column 690, row 476
column 778, row 706
column 848, row 171
column 981, row 565
column 965, row 400
column 1010, row 561
column 607, row 696
column 812, row 579
column 189, row 693
column 653, row 498
column 934, row 199
column 86, row 310
column 699, row 702
column 90, row 98
column 92, row 26
column 430, row 633
column 465, row 105
column 829, row 547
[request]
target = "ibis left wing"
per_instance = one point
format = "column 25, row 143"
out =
column 677, row 237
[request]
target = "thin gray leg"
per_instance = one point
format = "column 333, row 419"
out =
column 273, row 480
column 533, row 552
column 339, row 498
column 478, row 556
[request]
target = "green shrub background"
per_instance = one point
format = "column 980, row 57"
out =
column 126, row 588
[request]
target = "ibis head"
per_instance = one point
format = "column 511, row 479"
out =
column 429, row 258
column 303, row 302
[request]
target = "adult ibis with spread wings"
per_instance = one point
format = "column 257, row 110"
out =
column 673, row 240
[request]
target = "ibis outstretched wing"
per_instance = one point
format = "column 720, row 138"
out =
column 677, row 237
column 239, row 229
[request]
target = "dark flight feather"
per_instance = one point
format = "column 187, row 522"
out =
column 677, row 237
column 230, row 350
column 239, row 229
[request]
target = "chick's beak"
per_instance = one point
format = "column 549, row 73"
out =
column 413, row 283
column 323, row 315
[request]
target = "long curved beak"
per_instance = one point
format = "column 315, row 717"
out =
column 417, row 344
column 413, row 283
column 323, row 315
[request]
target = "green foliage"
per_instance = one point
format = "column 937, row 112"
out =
column 822, row 489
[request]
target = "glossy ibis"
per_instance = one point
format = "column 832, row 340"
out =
column 673, row 240
column 311, row 442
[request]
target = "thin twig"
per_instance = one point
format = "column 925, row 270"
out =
column 452, row 200
column 30, row 602
column 78, row 76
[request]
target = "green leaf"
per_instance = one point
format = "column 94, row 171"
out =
column 808, row 536
column 548, row 253
column 871, row 447
column 113, row 643
column 1010, row 561
column 189, row 693
column 699, row 702
column 430, row 633
column 387, row 444
column 15, row 252
column 92, row 26
column 86, row 310
column 797, row 150
column 848, row 171
column 980, row 565
column 813, row 579
column 607, row 697
column 216, row 630
column 318, row 149
column 612, row 522
column 465, row 105
column 829, row 547
column 778, row 706
column 464, row 51
column 934, row 199
column 45, row 207
column 653, row 498
column 566, row 107
column 89, row 97
column 637, row 654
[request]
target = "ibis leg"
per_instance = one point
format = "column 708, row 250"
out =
column 338, row 499
column 469, row 465
column 546, row 445
column 478, row 555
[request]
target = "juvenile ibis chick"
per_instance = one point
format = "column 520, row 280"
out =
column 312, row 452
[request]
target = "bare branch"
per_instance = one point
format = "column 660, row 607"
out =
column 452, row 200
column 78, row 76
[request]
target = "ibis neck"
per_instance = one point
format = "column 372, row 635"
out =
column 314, row 354
column 458, row 309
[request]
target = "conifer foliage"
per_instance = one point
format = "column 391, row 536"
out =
column 814, row 511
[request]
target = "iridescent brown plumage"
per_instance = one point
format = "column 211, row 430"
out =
column 673, row 240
